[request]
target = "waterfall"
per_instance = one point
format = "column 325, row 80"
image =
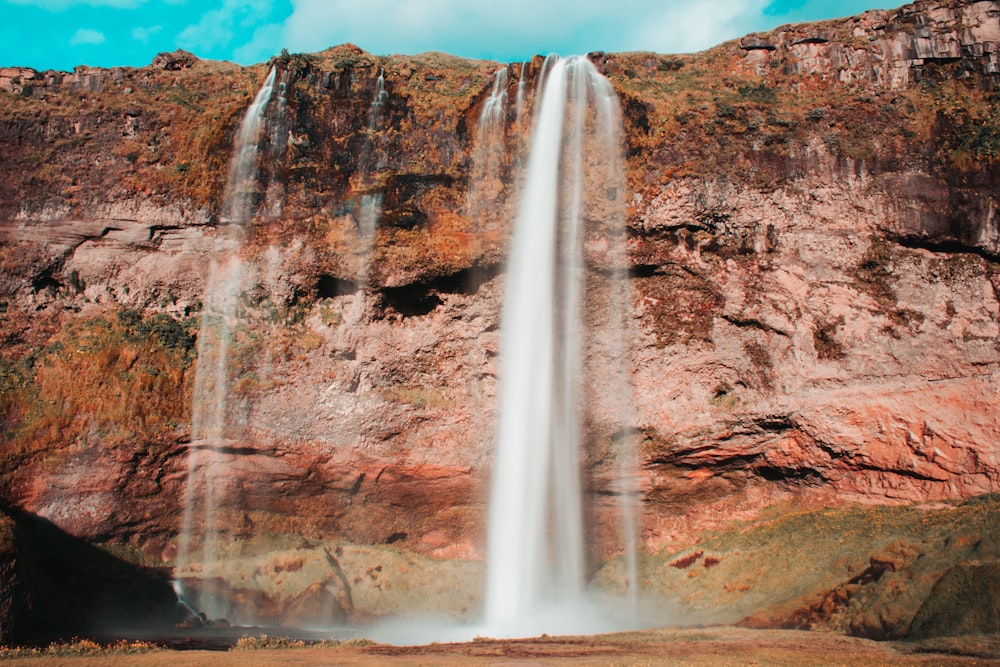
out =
column 486, row 183
column 277, row 129
column 209, row 482
column 522, row 86
column 242, row 182
column 370, row 205
column 376, row 112
column 536, row 558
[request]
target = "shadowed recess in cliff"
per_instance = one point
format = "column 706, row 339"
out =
column 59, row 586
column 423, row 297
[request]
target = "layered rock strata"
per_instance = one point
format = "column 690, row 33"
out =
column 813, row 245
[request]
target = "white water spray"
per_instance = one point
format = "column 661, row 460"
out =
column 376, row 112
column 208, row 482
column 536, row 560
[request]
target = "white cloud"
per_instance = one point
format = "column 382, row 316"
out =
column 516, row 29
column 217, row 28
column 267, row 41
column 687, row 27
column 143, row 34
column 87, row 36
column 59, row 5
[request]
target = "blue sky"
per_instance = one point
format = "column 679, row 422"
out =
column 59, row 34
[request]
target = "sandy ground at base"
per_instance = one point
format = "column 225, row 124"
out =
column 704, row 646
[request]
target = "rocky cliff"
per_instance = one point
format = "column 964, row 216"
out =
column 814, row 254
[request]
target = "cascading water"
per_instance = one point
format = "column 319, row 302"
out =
column 242, row 182
column 486, row 184
column 370, row 206
column 572, row 199
column 208, row 481
column 522, row 87
column 278, row 144
column 376, row 112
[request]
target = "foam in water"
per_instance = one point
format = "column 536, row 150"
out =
column 209, row 482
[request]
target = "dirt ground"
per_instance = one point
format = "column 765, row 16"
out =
column 705, row 646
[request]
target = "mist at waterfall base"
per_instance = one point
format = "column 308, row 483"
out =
column 570, row 201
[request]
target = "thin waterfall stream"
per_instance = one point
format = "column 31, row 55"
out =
column 209, row 479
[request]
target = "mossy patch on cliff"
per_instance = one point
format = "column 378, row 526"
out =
column 118, row 378
column 160, row 134
column 863, row 570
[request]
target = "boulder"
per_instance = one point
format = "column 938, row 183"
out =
column 965, row 601
column 175, row 60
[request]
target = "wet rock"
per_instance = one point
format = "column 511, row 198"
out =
column 318, row 604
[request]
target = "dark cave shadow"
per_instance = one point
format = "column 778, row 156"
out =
column 56, row 587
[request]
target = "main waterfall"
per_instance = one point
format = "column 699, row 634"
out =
column 571, row 201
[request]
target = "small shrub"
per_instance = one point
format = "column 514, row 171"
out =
column 80, row 647
column 262, row 642
column 687, row 561
column 75, row 282
column 825, row 342
column 357, row 642
column 815, row 115
column 267, row 642
column 725, row 111
column 724, row 398
column 761, row 93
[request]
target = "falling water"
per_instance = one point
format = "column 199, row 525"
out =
column 486, row 184
column 370, row 205
column 536, row 562
column 496, row 104
column 278, row 136
column 208, row 481
column 376, row 112
column 522, row 86
column 242, row 183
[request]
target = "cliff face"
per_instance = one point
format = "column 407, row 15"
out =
column 813, row 241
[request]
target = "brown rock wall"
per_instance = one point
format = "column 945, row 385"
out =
column 813, row 241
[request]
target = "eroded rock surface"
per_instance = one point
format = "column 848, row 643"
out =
column 813, row 245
